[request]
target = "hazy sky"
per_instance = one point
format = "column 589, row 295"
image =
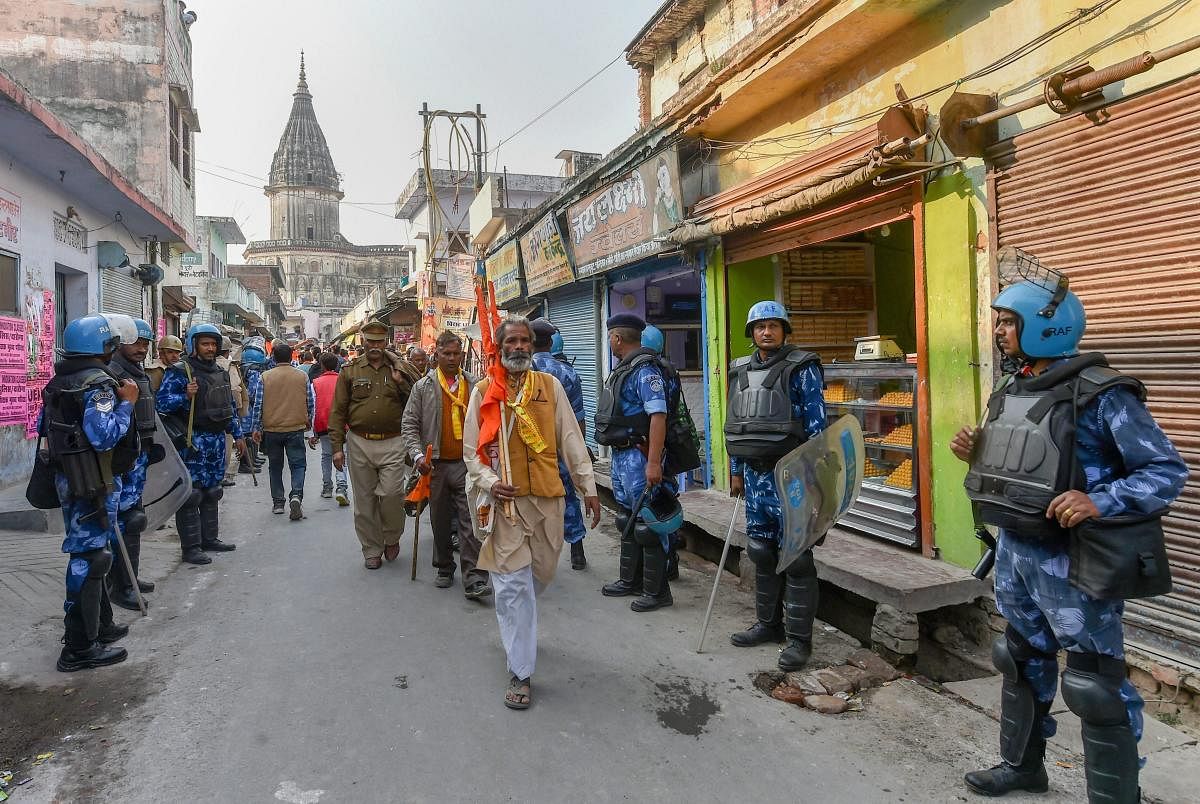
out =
column 371, row 63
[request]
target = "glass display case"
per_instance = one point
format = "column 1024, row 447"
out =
column 882, row 396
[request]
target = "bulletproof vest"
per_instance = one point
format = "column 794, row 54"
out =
column 214, row 396
column 143, row 409
column 759, row 423
column 612, row 428
column 1025, row 454
column 89, row 473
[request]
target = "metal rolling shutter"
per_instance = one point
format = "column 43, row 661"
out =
column 1112, row 197
column 576, row 313
column 120, row 293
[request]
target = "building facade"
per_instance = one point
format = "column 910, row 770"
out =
column 323, row 271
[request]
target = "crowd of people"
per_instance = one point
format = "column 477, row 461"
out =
column 511, row 478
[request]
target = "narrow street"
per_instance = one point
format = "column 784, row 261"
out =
column 285, row 671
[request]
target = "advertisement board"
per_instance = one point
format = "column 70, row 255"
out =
column 544, row 257
column 504, row 272
column 619, row 224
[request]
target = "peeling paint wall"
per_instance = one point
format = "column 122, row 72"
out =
column 105, row 69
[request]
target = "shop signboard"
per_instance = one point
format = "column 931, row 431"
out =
column 504, row 272
column 441, row 313
column 10, row 220
column 544, row 257
column 622, row 222
column 191, row 265
column 460, row 271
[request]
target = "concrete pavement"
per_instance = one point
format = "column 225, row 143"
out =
column 286, row 672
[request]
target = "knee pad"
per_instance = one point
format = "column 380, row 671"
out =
column 764, row 554
column 194, row 498
column 133, row 521
column 99, row 562
column 645, row 537
column 621, row 520
column 803, row 566
column 214, row 494
column 1091, row 688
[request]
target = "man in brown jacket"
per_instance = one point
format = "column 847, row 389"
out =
column 287, row 411
column 368, row 404
column 434, row 417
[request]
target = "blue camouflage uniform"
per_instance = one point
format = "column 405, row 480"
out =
column 763, row 512
column 252, row 421
column 573, row 527
column 205, row 457
column 1129, row 466
column 645, row 391
column 106, row 419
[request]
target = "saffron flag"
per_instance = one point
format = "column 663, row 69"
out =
column 493, row 399
column 420, row 492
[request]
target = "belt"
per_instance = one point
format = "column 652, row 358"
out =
column 375, row 436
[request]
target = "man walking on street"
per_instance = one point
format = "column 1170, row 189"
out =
column 631, row 417
column 419, row 360
column 324, row 385
column 287, row 411
column 196, row 392
column 225, row 360
column 434, row 416
column 253, row 362
column 368, row 405
column 1067, row 440
column 775, row 405
column 544, row 361
column 526, row 495
column 126, row 364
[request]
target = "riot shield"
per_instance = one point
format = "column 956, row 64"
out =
column 818, row 481
column 168, row 483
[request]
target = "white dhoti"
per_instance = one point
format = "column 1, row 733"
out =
column 516, row 611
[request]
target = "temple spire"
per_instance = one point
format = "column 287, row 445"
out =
column 302, row 86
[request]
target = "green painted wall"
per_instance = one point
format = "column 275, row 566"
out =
column 895, row 285
column 718, row 348
column 950, row 289
column 748, row 282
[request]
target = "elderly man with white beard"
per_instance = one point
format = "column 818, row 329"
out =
column 530, row 410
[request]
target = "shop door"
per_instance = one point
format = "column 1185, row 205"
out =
column 577, row 315
column 120, row 293
column 1110, row 198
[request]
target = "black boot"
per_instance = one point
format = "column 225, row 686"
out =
column 187, row 522
column 630, row 582
column 656, row 592
column 578, row 559
column 111, row 632
column 210, row 539
column 801, row 589
column 1022, row 746
column 768, row 593
column 145, row 587
column 81, row 624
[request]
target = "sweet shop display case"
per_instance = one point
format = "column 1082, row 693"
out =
column 882, row 396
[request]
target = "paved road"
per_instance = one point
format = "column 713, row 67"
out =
column 287, row 672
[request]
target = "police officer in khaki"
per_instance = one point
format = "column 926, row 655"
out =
column 364, row 422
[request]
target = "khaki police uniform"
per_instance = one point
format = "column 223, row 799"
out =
column 364, row 424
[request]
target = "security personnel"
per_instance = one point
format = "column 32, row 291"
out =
column 652, row 339
column 254, row 360
column 1091, row 430
column 775, row 405
column 631, row 417
column 170, row 349
column 558, row 350
column 126, row 364
column 368, row 404
column 197, row 391
column 544, row 361
column 86, row 428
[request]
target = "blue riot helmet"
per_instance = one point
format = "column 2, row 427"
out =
column 652, row 339
column 88, row 337
column 201, row 330
column 1044, row 329
column 253, row 357
column 255, row 342
column 556, row 344
column 765, row 310
column 123, row 326
column 662, row 513
column 144, row 330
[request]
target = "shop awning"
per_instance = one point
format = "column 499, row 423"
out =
column 175, row 300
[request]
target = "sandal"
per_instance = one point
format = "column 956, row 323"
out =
column 514, row 697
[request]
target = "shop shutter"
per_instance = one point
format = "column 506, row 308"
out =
column 1112, row 198
column 120, row 293
column 576, row 313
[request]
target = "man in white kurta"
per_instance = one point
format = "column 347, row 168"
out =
column 522, row 551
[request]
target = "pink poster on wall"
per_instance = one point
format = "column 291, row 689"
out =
column 13, row 371
column 44, row 365
column 162, row 328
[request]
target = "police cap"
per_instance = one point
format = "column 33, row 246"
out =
column 543, row 330
column 625, row 320
column 374, row 331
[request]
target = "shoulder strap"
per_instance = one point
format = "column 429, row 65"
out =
column 1094, row 380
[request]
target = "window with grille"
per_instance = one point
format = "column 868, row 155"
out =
column 173, row 123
